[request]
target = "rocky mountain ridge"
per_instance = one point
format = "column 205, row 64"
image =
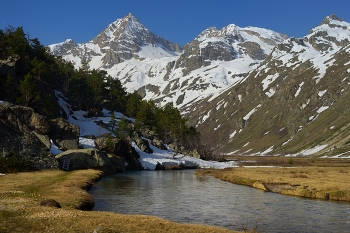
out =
column 121, row 40
column 164, row 72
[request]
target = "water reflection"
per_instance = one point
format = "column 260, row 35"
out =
column 183, row 197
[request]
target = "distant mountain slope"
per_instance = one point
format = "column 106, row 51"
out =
column 295, row 102
column 163, row 71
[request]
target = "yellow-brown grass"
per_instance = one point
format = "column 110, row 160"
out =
column 20, row 210
column 314, row 182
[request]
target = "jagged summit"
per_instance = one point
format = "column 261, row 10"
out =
column 125, row 28
column 329, row 19
column 122, row 40
column 229, row 43
column 331, row 34
column 63, row 47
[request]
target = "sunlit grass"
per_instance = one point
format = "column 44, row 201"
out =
column 323, row 180
column 20, row 209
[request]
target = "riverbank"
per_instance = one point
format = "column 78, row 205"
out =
column 27, row 200
column 311, row 178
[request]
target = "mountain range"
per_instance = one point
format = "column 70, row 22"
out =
column 247, row 90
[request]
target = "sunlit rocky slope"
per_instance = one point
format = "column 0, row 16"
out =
column 295, row 102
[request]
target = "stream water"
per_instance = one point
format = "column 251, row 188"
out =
column 183, row 197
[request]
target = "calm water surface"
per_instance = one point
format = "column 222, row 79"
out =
column 183, row 197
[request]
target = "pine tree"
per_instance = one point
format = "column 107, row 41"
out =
column 116, row 94
column 38, row 67
column 123, row 130
column 146, row 115
column 27, row 89
column 113, row 120
column 133, row 104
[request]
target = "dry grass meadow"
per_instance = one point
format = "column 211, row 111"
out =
column 305, row 177
column 21, row 195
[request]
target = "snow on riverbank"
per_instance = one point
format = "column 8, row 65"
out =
column 166, row 157
column 90, row 126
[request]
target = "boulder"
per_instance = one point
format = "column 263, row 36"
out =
column 126, row 151
column 142, row 144
column 119, row 148
column 182, row 150
column 23, row 134
column 152, row 136
column 158, row 143
column 92, row 158
column 64, row 134
column 50, row 203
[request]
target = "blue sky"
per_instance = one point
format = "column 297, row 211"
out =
column 180, row 21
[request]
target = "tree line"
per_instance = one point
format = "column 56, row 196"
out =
column 38, row 73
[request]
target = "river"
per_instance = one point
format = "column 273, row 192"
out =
column 183, row 197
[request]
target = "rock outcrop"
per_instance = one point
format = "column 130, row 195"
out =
column 92, row 158
column 120, row 148
column 24, row 133
column 27, row 134
column 64, row 134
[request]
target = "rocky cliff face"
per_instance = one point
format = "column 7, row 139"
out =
column 227, row 44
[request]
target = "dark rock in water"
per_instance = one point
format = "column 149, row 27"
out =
column 50, row 203
column 176, row 166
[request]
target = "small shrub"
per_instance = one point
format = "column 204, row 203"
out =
column 290, row 161
column 298, row 176
column 16, row 164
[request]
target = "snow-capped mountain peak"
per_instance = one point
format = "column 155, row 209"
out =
column 125, row 28
column 331, row 34
column 334, row 21
column 120, row 41
column 63, row 47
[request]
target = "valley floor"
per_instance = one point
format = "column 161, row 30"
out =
column 21, row 209
column 305, row 177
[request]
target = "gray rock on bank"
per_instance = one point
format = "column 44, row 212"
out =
column 92, row 158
